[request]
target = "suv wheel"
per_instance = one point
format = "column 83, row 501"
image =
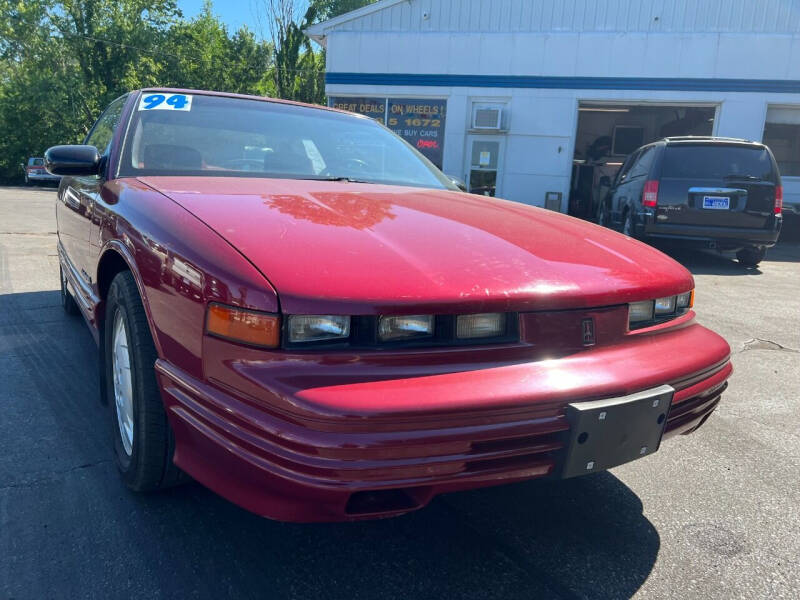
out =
column 143, row 440
column 751, row 257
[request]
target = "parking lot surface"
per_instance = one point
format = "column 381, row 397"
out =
column 711, row 515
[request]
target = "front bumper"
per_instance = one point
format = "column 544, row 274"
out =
column 327, row 457
column 43, row 177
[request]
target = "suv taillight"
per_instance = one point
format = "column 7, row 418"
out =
column 650, row 193
column 778, row 200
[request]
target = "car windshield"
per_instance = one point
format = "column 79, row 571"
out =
column 37, row 162
column 716, row 161
column 224, row 136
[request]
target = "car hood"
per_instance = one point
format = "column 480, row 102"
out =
column 351, row 248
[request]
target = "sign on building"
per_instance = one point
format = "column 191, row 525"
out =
column 419, row 121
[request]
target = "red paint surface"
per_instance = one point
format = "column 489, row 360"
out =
column 348, row 248
column 292, row 435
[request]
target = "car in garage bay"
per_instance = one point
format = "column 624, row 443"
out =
column 329, row 329
column 712, row 192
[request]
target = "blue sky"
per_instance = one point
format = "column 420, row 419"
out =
column 234, row 13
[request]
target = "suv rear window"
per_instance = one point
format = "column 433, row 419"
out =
column 717, row 161
column 38, row 162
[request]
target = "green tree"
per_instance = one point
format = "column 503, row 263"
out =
column 62, row 62
column 202, row 55
column 298, row 69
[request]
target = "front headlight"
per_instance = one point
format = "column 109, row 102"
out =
column 647, row 312
column 405, row 327
column 665, row 306
column 482, row 325
column 317, row 328
column 640, row 311
column 686, row 300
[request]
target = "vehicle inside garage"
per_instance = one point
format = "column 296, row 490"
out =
column 608, row 133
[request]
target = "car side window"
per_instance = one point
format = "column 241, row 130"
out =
column 642, row 167
column 103, row 131
column 626, row 167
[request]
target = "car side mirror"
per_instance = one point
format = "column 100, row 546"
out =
column 72, row 160
column 458, row 183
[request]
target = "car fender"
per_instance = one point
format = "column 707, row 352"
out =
column 116, row 246
column 179, row 264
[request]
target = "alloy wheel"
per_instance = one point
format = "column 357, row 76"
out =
column 123, row 382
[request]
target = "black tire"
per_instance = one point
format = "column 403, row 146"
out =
column 149, row 464
column 67, row 301
column 751, row 257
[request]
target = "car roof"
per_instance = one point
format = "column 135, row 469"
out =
column 709, row 139
column 245, row 97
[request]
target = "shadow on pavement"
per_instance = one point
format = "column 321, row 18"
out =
column 69, row 522
column 709, row 262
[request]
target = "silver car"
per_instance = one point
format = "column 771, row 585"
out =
column 35, row 172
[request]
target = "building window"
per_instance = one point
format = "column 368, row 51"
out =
column 782, row 135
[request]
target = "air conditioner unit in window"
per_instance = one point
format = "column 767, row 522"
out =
column 487, row 117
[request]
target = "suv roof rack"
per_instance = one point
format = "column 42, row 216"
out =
column 691, row 138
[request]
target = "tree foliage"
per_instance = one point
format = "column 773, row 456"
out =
column 299, row 71
column 62, row 62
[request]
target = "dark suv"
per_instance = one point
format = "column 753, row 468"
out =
column 711, row 192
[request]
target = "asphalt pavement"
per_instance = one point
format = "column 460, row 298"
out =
column 712, row 515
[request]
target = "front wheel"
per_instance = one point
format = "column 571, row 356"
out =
column 751, row 257
column 143, row 443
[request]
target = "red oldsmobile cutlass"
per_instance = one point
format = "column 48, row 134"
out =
column 297, row 309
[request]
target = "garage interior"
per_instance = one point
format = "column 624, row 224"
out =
column 608, row 133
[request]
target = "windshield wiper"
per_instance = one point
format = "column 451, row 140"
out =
column 336, row 178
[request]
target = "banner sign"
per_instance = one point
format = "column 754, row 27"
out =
column 370, row 107
column 418, row 121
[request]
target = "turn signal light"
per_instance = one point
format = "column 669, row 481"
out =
column 650, row 193
column 245, row 326
column 778, row 200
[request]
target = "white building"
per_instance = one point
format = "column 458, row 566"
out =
column 542, row 98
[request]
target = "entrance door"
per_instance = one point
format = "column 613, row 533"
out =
column 484, row 164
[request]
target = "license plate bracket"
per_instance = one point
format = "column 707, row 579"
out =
column 716, row 202
column 611, row 432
